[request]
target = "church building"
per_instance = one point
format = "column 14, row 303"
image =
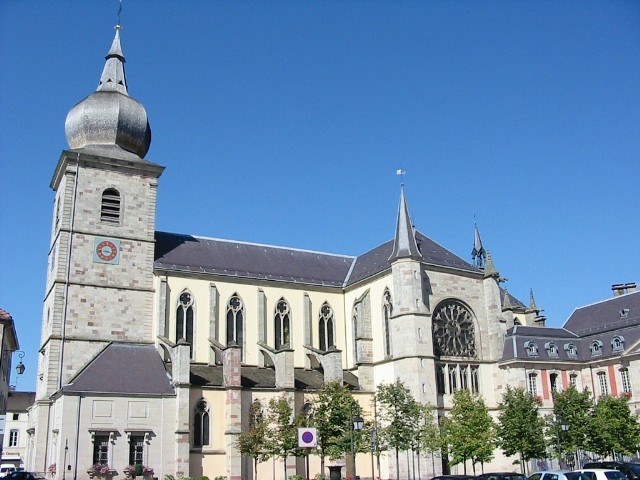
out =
column 155, row 344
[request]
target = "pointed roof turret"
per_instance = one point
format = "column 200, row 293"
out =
column 404, row 244
column 109, row 122
column 489, row 267
column 478, row 253
column 113, row 77
column 506, row 301
column 533, row 307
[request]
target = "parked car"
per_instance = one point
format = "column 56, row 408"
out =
column 23, row 476
column 603, row 474
column 453, row 477
column 630, row 469
column 501, row 476
column 558, row 475
column 6, row 469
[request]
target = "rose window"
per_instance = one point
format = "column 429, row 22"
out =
column 453, row 331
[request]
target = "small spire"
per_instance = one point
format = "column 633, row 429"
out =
column 478, row 253
column 533, row 307
column 404, row 244
column 506, row 301
column 489, row 267
column 113, row 76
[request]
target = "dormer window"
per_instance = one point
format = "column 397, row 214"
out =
column 572, row 351
column 617, row 343
column 531, row 348
column 596, row 348
column 552, row 349
column 624, row 312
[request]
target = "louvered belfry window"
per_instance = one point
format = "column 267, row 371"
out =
column 110, row 208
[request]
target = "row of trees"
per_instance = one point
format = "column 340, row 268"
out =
column 468, row 433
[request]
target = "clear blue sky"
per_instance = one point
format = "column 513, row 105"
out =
column 283, row 122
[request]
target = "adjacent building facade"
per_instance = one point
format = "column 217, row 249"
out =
column 155, row 344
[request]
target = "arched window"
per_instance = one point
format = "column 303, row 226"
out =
column 604, row 384
column 572, row 351
column 573, row 380
column 596, row 348
column 110, row 207
column 282, row 324
column 551, row 348
column 531, row 348
column 184, row 319
column 533, row 384
column 387, row 309
column 626, row 383
column 235, row 321
column 553, row 382
column 325, row 327
column 201, row 424
column 617, row 343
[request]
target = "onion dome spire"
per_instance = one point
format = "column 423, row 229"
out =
column 404, row 244
column 109, row 122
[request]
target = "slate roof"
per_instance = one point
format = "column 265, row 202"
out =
column 194, row 254
column 248, row 260
column 111, row 371
column 260, row 377
column 605, row 315
column 20, row 401
column 599, row 322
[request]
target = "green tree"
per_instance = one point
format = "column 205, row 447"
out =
column 396, row 408
column 572, row 408
column 469, row 430
column 520, row 429
column 282, row 430
column 333, row 412
column 253, row 442
column 612, row 428
column 427, row 432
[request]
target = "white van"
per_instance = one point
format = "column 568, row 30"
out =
column 6, row 469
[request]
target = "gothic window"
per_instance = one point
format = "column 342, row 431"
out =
column 387, row 308
column 464, row 381
column 282, row 320
column 552, row 349
column 533, row 384
column 440, row 385
column 325, row 327
column 453, row 330
column 604, row 385
column 13, row 438
column 235, row 321
column 184, row 319
column 475, row 380
column 110, row 207
column 572, row 351
column 573, row 380
column 553, row 381
column 136, row 450
column 626, row 383
column 101, row 449
column 531, row 348
column 453, row 376
column 617, row 343
column 596, row 348
column 201, row 424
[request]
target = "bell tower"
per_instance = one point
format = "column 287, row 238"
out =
column 100, row 274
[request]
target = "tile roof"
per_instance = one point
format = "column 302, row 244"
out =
column 111, row 372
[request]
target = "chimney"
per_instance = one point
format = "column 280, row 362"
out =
column 631, row 287
column 618, row 289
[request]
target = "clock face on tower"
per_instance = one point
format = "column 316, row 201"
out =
column 107, row 250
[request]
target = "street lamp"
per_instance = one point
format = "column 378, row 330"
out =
column 564, row 427
column 357, row 426
column 20, row 368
